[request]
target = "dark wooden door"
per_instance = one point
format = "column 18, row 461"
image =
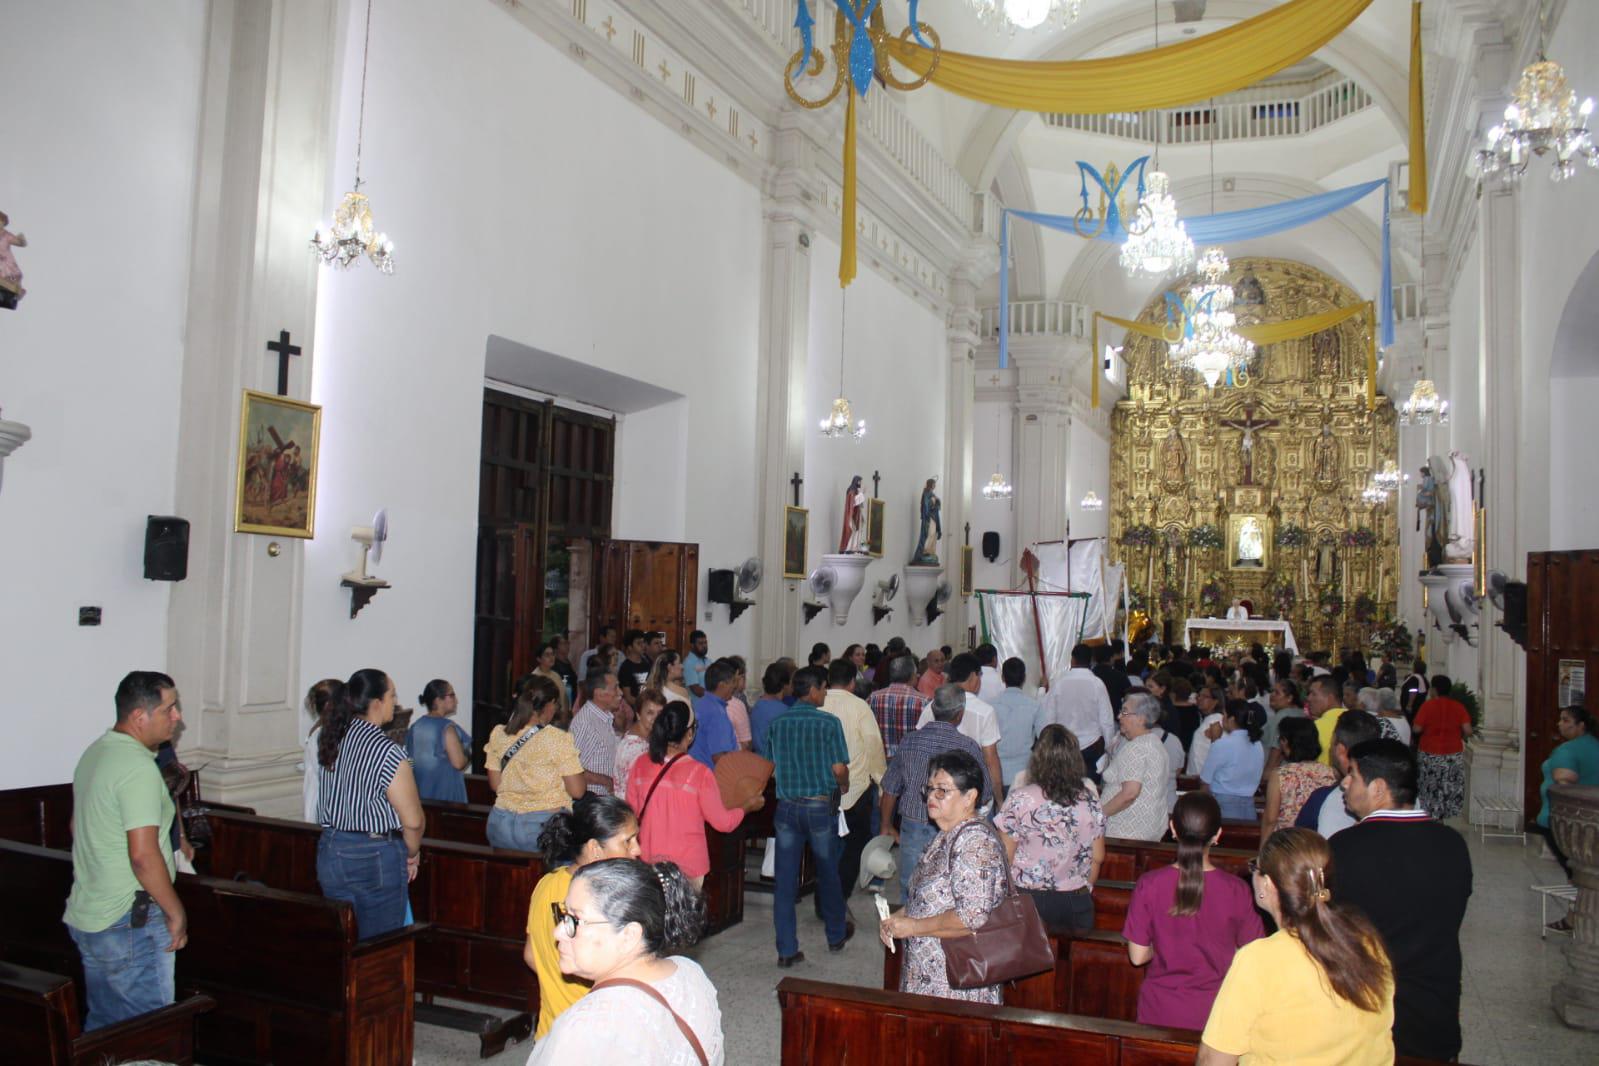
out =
column 650, row 585
column 1562, row 588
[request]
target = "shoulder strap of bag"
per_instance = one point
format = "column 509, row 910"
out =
column 653, row 993
column 657, row 784
column 1010, row 888
column 510, row 753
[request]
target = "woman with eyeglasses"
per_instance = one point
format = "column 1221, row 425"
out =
column 676, row 796
column 1320, row 989
column 959, row 881
column 597, row 827
column 1138, row 777
column 620, row 919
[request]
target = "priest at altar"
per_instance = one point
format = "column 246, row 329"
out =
column 1272, row 632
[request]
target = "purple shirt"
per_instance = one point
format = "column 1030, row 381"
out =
column 1192, row 953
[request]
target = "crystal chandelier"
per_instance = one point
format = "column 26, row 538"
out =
column 1210, row 344
column 1374, row 494
column 841, row 421
column 1091, row 501
column 352, row 233
column 1543, row 118
column 997, row 488
column 1157, row 241
column 1389, row 477
column 1016, row 15
column 1424, row 406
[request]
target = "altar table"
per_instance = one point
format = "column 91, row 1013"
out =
column 1272, row 632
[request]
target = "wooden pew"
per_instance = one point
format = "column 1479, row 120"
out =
column 1128, row 860
column 1111, row 899
column 473, row 898
column 290, row 981
column 1236, row 834
column 40, row 815
column 40, row 1023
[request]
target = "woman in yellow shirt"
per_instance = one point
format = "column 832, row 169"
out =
column 1320, row 991
column 533, row 768
column 597, row 827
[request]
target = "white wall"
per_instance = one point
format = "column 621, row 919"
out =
column 1573, row 474
column 895, row 376
column 1088, row 467
column 98, row 173
column 526, row 199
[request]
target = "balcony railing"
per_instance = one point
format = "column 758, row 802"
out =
column 1041, row 318
column 1287, row 110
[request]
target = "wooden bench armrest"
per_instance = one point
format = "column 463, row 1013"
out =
column 391, row 938
column 124, row 1039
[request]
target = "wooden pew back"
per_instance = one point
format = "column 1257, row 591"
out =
column 1128, row 860
column 39, row 1023
column 39, row 815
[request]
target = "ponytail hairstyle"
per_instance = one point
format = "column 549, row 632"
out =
column 1343, row 943
column 1056, row 765
column 348, row 702
column 655, row 896
column 433, row 692
column 534, row 694
column 592, row 817
column 1244, row 713
column 1195, row 820
column 320, row 699
column 660, row 667
column 670, row 727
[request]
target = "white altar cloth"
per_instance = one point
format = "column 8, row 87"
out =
column 1252, row 626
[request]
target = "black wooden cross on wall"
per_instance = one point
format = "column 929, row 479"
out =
column 284, row 351
column 876, row 477
column 796, row 481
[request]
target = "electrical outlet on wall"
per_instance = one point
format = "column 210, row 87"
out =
column 710, row 615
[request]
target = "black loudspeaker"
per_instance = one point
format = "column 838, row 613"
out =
column 1514, row 616
column 166, row 548
column 720, row 587
column 991, row 546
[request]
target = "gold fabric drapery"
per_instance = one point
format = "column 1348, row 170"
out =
column 1266, row 333
column 1418, row 118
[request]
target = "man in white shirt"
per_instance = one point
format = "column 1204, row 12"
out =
column 990, row 683
column 1079, row 701
column 1238, row 612
column 979, row 722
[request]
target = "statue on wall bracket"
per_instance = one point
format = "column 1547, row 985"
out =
column 926, row 553
column 853, row 534
column 11, row 290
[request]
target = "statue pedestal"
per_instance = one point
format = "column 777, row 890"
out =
column 849, row 574
column 1574, row 817
column 13, row 435
column 1438, row 581
column 921, row 585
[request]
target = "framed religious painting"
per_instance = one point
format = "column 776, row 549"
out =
column 1248, row 542
column 796, row 531
column 278, row 452
column 874, row 528
column 967, row 576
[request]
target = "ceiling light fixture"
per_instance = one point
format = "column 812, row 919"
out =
column 1544, row 117
column 1016, row 15
column 1157, row 241
column 1091, row 501
column 352, row 233
column 841, row 421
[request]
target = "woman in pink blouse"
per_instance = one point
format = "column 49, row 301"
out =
column 676, row 796
column 1054, row 832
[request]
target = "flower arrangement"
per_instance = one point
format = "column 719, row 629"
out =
column 1366, row 608
column 1331, row 603
column 1205, row 536
column 1139, row 536
column 1359, row 538
column 1137, row 601
column 1170, row 598
column 1292, row 536
column 1284, row 599
column 1210, row 597
column 1469, row 698
column 1394, row 642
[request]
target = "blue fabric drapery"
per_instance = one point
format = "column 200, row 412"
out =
column 1222, row 228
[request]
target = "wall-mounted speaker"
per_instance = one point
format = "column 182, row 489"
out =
column 166, row 548
column 991, row 546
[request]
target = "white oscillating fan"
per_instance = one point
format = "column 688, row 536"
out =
column 371, row 538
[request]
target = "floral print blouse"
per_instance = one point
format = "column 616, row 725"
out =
column 1054, row 844
column 1295, row 782
column 968, row 878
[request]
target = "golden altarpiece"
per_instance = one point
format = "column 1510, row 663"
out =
column 1255, row 489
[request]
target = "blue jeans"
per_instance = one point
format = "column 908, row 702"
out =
column 368, row 873
column 1242, row 808
column 126, row 971
column 519, row 832
column 798, row 823
column 913, row 840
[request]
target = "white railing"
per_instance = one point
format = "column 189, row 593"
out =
column 775, row 17
column 895, row 131
column 1040, row 318
column 1287, row 110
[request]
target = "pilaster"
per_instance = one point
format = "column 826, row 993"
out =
column 262, row 183
column 1043, row 440
column 961, row 337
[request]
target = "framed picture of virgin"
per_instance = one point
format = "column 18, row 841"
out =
column 874, row 528
column 796, row 530
column 276, row 480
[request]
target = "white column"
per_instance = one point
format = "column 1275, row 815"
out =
column 262, row 184
column 1043, row 442
column 956, row 487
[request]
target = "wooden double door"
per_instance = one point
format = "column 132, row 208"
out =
column 1562, row 639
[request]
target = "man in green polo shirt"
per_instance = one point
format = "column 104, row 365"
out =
column 123, row 912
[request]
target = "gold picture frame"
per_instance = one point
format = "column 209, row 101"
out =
column 796, row 541
column 874, row 528
column 275, row 484
column 967, row 571
column 1249, row 542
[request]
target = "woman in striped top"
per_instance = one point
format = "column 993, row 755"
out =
column 368, row 806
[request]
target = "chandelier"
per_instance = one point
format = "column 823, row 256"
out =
column 1157, row 241
column 1389, row 477
column 1091, row 501
column 352, row 233
column 997, row 488
column 1209, row 344
column 1544, row 117
column 1025, row 14
column 1374, row 494
column 1424, row 407
column 840, row 421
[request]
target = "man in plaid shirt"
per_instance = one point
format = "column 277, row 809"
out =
column 897, row 707
column 907, row 778
column 811, row 768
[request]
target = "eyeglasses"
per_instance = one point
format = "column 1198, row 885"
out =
column 567, row 922
column 941, row 793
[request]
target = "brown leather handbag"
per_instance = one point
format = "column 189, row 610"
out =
column 1011, row 945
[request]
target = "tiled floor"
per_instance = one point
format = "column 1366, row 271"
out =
column 1505, row 1010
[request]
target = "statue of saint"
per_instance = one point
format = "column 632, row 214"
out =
column 854, row 531
column 1173, row 461
column 1462, row 534
column 924, row 555
column 1427, row 517
column 1251, row 543
column 1324, row 351
column 1324, row 457
column 11, row 290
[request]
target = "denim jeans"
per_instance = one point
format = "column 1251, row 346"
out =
column 519, row 832
column 368, row 873
column 913, row 840
column 798, row 823
column 126, row 971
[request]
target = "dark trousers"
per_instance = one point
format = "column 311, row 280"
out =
column 1064, row 910
column 1091, row 756
column 1560, row 856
